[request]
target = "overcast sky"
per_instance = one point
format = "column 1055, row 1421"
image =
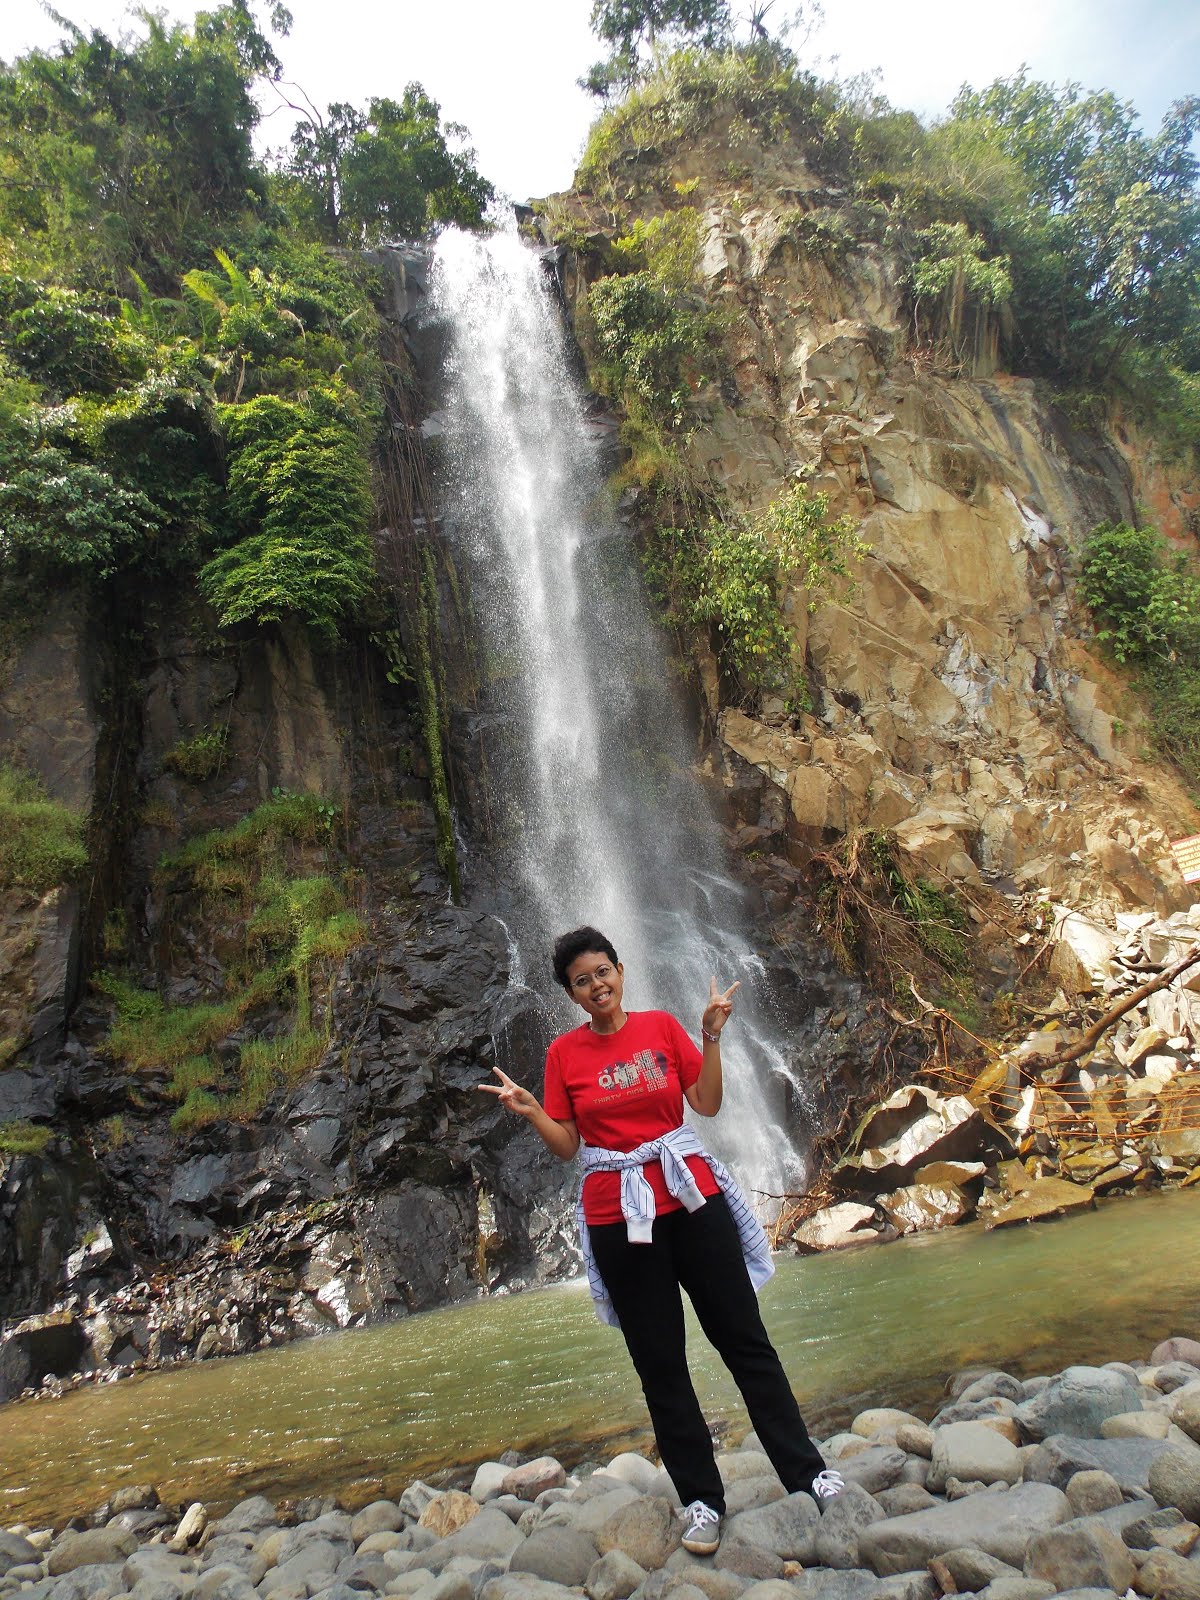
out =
column 508, row 70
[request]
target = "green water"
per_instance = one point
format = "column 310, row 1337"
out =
column 536, row 1370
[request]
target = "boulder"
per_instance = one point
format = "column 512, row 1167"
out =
column 561, row 1555
column 1093, row 1490
column 613, row 1577
column 1077, row 1402
column 972, row 1453
column 647, row 1530
column 843, row 1520
column 834, row 1227
column 1174, row 1480
column 448, row 1513
column 999, row 1522
column 1176, row 1348
column 94, row 1547
column 877, row 1468
column 1057, row 1459
column 912, row 1128
column 787, row 1528
column 533, row 1477
column 1044, row 1198
column 1082, row 1554
column 1168, row 1576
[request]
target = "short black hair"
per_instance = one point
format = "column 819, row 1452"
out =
column 568, row 947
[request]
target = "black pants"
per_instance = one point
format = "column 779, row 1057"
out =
column 699, row 1251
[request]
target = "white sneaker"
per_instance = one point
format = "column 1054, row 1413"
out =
column 827, row 1486
column 701, row 1528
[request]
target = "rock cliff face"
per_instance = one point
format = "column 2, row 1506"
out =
column 958, row 701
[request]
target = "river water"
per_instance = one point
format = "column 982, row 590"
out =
column 454, row 1387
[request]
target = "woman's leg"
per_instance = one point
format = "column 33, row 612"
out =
column 645, row 1295
column 711, row 1267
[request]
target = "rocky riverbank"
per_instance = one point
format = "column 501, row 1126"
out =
column 1085, row 1483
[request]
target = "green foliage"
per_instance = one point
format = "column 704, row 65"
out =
column 735, row 574
column 199, row 758
column 653, row 349
column 291, row 927
column 298, row 477
column 629, row 27
column 1145, row 598
column 126, row 152
column 41, row 842
column 361, row 177
column 24, row 1138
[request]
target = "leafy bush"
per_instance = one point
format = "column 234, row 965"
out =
column 653, row 349
column 735, row 572
column 199, row 758
column 41, row 841
column 1145, row 598
column 298, row 470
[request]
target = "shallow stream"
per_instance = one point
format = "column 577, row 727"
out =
column 457, row 1386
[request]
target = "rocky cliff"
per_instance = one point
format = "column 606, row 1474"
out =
column 959, row 698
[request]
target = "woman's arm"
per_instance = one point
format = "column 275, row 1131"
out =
column 706, row 1093
column 560, row 1138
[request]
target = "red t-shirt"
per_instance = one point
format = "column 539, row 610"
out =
column 621, row 1089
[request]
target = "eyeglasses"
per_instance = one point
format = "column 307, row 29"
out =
column 586, row 980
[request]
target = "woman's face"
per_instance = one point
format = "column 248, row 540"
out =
column 597, row 985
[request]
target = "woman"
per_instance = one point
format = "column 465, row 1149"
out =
column 658, row 1215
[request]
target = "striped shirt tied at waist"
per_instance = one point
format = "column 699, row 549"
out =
column 638, row 1208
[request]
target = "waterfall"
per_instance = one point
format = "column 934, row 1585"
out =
column 603, row 818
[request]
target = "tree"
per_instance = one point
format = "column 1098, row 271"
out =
column 629, row 27
column 1106, row 246
column 384, row 173
column 123, row 153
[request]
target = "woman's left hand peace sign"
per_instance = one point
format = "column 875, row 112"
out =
column 719, row 1008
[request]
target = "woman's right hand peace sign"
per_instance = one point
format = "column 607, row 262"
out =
column 511, row 1095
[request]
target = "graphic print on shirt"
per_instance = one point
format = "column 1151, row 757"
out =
column 647, row 1070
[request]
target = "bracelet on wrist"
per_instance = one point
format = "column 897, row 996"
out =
column 712, row 1038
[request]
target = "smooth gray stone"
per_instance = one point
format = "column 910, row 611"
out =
column 1058, row 1458
column 96, row 1547
column 822, row 1583
column 748, row 1494
column 337, row 1591
column 157, row 1586
column 1000, row 1522
column 248, row 1516
column 841, row 1523
column 1083, row 1554
column 589, row 1516
column 311, row 1568
column 1018, row 1588
column 904, row 1499
column 972, row 1569
column 224, row 1583
column 15, row 1551
column 768, row 1589
column 365, row 1572
column 974, row 1453
column 512, row 1508
column 489, row 1534
column 96, row 1581
column 381, row 1516
column 974, row 1410
column 613, row 1577
column 647, row 1529
column 1077, row 1402
column 876, row 1468
column 991, row 1385
column 562, row 1555
column 907, row 1586
column 522, row 1586
column 234, row 1550
column 1087, row 1594
column 736, row 1554
column 1173, row 1375
column 717, row 1583
column 1174, row 1480
column 787, row 1527
column 1136, row 1533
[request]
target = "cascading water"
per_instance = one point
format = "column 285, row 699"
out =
column 603, row 819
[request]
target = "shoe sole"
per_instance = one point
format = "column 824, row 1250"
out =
column 696, row 1548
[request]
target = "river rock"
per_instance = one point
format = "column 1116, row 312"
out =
column 1185, row 1410
column 1139, row 1534
column 738, row 1555
column 99, row 1582
column 94, row 1547
column 191, row 1527
column 877, row 1467
column 563, row 1555
column 737, row 1465
column 635, row 1470
column 972, row 1453
column 715, row 1582
column 877, row 1419
column 1081, row 1554
column 1021, row 1588
column 15, row 1551
column 818, row 1584
column 1092, row 1490
column 448, row 1513
column 1000, row 1522
column 1056, row 1460
column 1168, row 1576
column 751, row 1493
column 991, row 1386
column 646, row 1529
column 915, row 1439
column 133, row 1497
column 835, row 1227
column 1077, row 1402
column 840, row 1524
column 304, row 1570
column 1136, row 1425
column 589, row 1515
column 221, row 1583
column 248, row 1516
column 1177, row 1348
column 489, row 1534
column 904, row 1499
column 787, row 1528
column 531, row 1479
column 613, row 1577
column 1174, row 1480
column 381, row 1516
column 969, row 1569
column 1174, row 1375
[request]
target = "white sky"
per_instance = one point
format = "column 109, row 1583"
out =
column 508, row 70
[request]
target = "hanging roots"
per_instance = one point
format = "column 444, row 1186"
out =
column 884, row 921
